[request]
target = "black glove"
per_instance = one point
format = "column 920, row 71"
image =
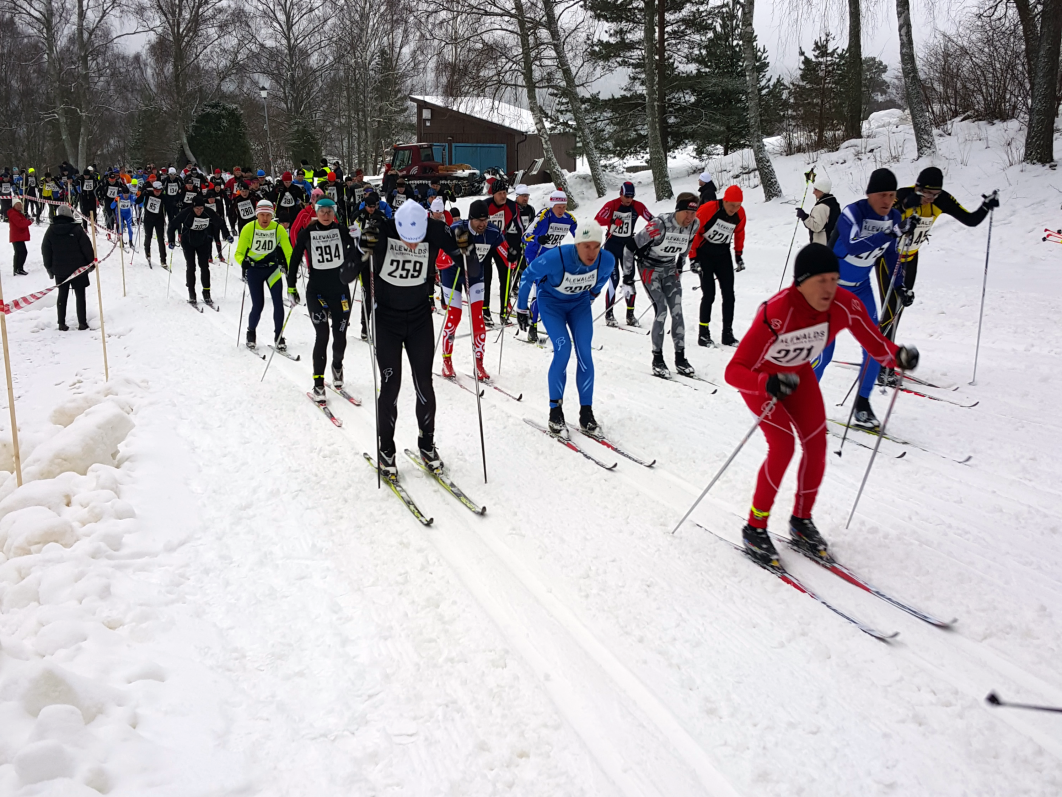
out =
column 680, row 263
column 51, row 274
column 523, row 320
column 370, row 236
column 740, row 263
column 906, row 226
column 463, row 239
column 907, row 358
column 781, row 385
column 628, row 279
column 244, row 270
column 991, row 201
column 914, row 200
column 541, row 240
column 905, row 296
column 348, row 272
column 695, row 267
column 293, row 294
column 802, row 214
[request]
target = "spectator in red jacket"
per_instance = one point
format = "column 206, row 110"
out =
column 19, row 226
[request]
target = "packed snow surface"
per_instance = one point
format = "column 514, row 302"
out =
column 203, row 592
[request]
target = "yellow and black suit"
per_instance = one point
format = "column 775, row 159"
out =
column 909, row 203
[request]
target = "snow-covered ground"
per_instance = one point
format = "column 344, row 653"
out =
column 202, row 591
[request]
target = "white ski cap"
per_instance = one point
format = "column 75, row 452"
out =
column 437, row 205
column 823, row 184
column 263, row 206
column 172, row 171
column 589, row 233
column 156, row 184
column 558, row 198
column 411, row 219
column 706, row 177
column 523, row 190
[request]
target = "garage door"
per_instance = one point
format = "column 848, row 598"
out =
column 480, row 156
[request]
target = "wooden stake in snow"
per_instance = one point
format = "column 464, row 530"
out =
column 10, row 392
column 121, row 258
column 99, row 295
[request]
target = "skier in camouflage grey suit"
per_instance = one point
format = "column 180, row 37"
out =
column 661, row 247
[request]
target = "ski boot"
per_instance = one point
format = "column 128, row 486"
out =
column 887, row 377
column 364, row 334
column 610, row 319
column 481, row 372
column 429, row 454
column 282, row 345
column 532, row 333
column 488, row 322
column 63, row 327
column 728, row 338
column 659, row 366
column 252, row 339
column 759, row 547
column 337, row 377
column 387, row 466
column 206, row 298
column 631, row 320
column 448, row 368
column 806, row 537
column 587, row 422
column 704, row 337
column 319, row 394
column 82, row 327
column 682, row 365
column 557, row 426
column 864, row 416
column 191, row 297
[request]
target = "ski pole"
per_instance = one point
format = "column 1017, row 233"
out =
column 745, row 439
column 239, row 328
column 994, row 700
column 877, row 445
column 275, row 342
column 505, row 315
column 809, row 178
column 984, row 287
column 372, row 356
column 475, row 370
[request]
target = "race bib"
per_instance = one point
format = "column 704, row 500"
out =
column 245, row 209
column 5, row 188
column 154, row 203
column 88, row 185
column 923, row 224
column 399, row 199
column 405, row 267
column 482, row 250
column 287, row 200
column 720, row 233
column 52, row 187
column 497, row 219
column 196, row 182
column 200, row 223
column 557, row 233
column 326, row 248
column 871, row 227
column 359, row 195
column 672, row 244
column 189, row 197
column 124, row 204
column 264, row 241
column 577, row 283
column 622, row 225
column 330, row 192
column 112, row 192
column 171, row 189
column 800, row 346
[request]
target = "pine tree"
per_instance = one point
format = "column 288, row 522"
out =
column 219, row 137
column 818, row 100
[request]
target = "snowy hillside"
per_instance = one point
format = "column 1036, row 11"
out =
column 203, row 592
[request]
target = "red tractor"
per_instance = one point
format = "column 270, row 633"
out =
column 419, row 163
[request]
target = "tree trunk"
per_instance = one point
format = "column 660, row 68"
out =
column 853, row 90
column 527, row 60
column 661, row 62
column 1040, row 137
column 916, row 101
column 657, row 156
column 81, row 80
column 571, row 93
column 768, row 179
column 1031, row 36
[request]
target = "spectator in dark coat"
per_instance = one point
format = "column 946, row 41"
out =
column 18, row 235
column 66, row 248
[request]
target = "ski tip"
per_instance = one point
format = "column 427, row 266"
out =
column 651, row 464
column 964, row 461
column 901, row 456
column 613, row 466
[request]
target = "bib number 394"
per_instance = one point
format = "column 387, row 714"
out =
column 326, row 249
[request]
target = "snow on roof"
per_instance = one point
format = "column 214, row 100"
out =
column 493, row 111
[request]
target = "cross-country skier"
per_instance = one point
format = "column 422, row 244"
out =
column 263, row 252
column 7, row 192
column 773, row 362
column 550, row 227
column 438, row 211
column 659, row 247
column 619, row 217
column 155, row 221
column 198, row 228
column 107, row 193
column 328, row 246
column 404, row 251
column 489, row 246
column 87, row 200
column 241, row 209
column 505, row 217
column 122, row 207
column 369, row 214
column 720, row 223
column 822, row 220
column 568, row 279
column 32, row 194
column 866, row 232
column 288, row 199
column 401, row 194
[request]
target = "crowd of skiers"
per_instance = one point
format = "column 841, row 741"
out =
column 409, row 249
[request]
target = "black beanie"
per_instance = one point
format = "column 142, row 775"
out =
column 881, row 180
column 478, row 210
column 814, row 259
column 931, row 177
column 200, row 202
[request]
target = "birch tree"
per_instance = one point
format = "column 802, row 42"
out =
column 916, row 101
column 768, row 179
